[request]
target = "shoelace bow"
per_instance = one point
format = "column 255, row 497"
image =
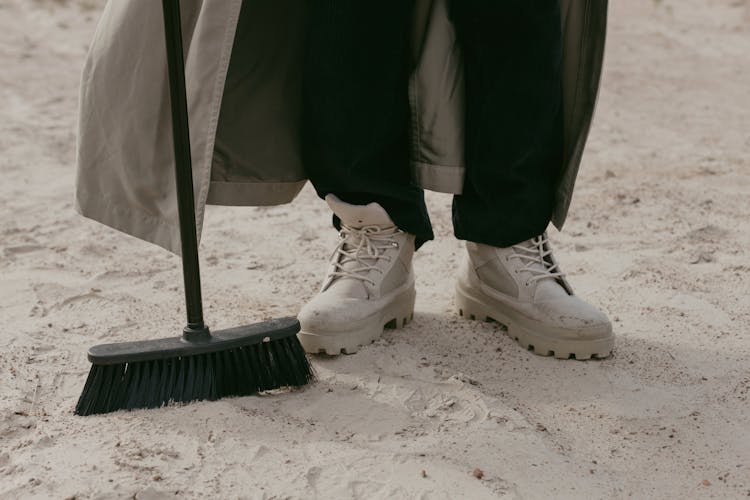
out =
column 368, row 243
column 533, row 255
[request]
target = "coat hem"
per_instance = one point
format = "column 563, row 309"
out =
column 439, row 178
column 240, row 194
column 133, row 222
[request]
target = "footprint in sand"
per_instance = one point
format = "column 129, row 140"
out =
column 459, row 404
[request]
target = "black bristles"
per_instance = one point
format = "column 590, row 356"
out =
column 240, row 371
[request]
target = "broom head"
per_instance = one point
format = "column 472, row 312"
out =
column 234, row 362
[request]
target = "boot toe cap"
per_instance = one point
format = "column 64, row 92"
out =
column 331, row 316
column 578, row 317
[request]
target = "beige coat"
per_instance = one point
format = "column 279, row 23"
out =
column 243, row 80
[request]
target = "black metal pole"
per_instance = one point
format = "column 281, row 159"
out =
column 195, row 329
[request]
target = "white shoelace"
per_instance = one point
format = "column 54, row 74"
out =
column 365, row 247
column 534, row 256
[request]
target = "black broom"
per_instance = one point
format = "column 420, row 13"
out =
column 198, row 365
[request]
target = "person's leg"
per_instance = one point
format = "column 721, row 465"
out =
column 355, row 131
column 356, row 150
column 512, row 54
column 514, row 136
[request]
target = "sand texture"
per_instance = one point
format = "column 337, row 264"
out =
column 658, row 237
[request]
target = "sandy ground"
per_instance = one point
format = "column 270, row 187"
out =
column 658, row 237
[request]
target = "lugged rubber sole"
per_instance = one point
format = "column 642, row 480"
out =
column 474, row 308
column 397, row 314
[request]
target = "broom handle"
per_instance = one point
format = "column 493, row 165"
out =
column 195, row 328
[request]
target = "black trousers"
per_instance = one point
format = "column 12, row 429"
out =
column 356, row 129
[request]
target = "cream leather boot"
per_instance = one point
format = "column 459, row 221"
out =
column 522, row 288
column 369, row 286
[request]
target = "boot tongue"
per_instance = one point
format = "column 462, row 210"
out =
column 547, row 288
column 357, row 217
column 533, row 251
